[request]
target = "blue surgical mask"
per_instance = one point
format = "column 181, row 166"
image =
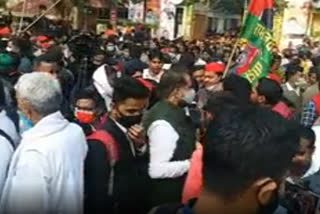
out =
column 24, row 123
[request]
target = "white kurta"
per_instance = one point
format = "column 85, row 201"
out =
column 8, row 127
column 162, row 151
column 6, row 149
column 46, row 172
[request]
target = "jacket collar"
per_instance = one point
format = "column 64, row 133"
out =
column 119, row 135
column 290, row 88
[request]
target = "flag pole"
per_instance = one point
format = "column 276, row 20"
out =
column 42, row 15
column 22, row 16
column 226, row 71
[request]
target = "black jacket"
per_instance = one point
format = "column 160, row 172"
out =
column 130, row 177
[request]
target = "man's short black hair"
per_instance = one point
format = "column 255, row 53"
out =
column 135, row 51
column 52, row 57
column 187, row 59
column 197, row 68
column 23, row 44
column 171, row 80
column 315, row 70
column 239, row 87
column 127, row 87
column 271, row 90
column 246, row 144
column 156, row 54
column 292, row 69
column 308, row 134
column 86, row 93
column 219, row 101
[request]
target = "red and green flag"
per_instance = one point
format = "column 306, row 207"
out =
column 255, row 61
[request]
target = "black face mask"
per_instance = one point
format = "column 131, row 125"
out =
column 271, row 207
column 129, row 121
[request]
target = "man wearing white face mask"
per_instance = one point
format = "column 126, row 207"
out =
column 111, row 48
column 48, row 165
column 169, row 156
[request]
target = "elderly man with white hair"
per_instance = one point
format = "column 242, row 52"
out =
column 46, row 172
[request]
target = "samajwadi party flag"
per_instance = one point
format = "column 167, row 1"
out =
column 255, row 61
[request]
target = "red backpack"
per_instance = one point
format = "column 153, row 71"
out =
column 282, row 109
column 112, row 151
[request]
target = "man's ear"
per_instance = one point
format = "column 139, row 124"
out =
column 265, row 190
column 113, row 110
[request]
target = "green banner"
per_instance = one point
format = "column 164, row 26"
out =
column 259, row 40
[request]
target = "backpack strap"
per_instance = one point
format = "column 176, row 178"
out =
column 8, row 138
column 316, row 100
column 112, row 152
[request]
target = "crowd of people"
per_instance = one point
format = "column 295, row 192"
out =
column 123, row 123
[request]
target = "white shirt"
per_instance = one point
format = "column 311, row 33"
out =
column 46, row 172
column 8, row 127
column 6, row 149
column 6, row 152
column 290, row 88
column 163, row 143
column 147, row 75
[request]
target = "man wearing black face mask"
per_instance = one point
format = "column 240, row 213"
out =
column 114, row 178
column 244, row 163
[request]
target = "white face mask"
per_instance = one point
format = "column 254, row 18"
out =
column 110, row 48
column 144, row 58
column 9, row 49
column 37, row 53
column 190, row 96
